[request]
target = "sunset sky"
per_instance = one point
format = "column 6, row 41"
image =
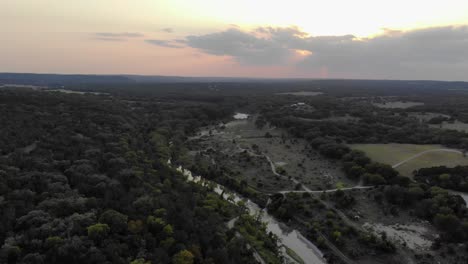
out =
column 377, row 39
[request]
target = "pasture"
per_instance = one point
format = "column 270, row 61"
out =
column 302, row 93
column 409, row 157
column 397, row 104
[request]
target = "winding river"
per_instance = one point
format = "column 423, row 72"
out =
column 290, row 238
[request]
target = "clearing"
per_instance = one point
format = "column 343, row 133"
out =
column 424, row 117
column 270, row 163
column 345, row 118
column 397, row 104
column 302, row 93
column 406, row 158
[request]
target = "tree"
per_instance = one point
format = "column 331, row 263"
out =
column 395, row 194
column 333, row 150
column 53, row 241
column 115, row 220
column 444, row 180
column 356, row 171
column 336, row 235
column 10, row 253
column 447, row 222
column 384, row 170
column 168, row 230
column 373, row 179
column 155, row 224
column 135, row 226
column 98, row 231
column 415, row 193
column 183, row 257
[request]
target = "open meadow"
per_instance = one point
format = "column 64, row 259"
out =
column 397, row 104
column 406, row 158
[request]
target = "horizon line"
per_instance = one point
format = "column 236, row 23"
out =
column 232, row 77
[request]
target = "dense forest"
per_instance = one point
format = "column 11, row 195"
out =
column 85, row 179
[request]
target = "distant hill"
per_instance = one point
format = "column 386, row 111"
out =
column 182, row 79
column 57, row 80
column 73, row 79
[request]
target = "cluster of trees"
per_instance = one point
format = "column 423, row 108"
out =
column 447, row 212
column 449, row 178
column 361, row 122
column 451, row 103
column 356, row 164
column 84, row 179
column 372, row 129
column 228, row 177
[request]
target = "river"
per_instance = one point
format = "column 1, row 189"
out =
column 290, row 238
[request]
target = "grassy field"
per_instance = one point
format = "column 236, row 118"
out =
column 394, row 153
column 397, row 104
column 303, row 93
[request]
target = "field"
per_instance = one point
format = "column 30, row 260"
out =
column 303, row 93
column 409, row 157
column 424, row 117
column 345, row 118
column 397, row 104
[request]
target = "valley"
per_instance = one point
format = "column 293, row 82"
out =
column 275, row 175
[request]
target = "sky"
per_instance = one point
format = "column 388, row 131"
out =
column 365, row 39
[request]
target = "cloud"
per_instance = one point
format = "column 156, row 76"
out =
column 119, row 35
column 168, row 30
column 439, row 52
column 164, row 43
column 245, row 47
column 110, row 39
column 110, row 36
column 429, row 53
